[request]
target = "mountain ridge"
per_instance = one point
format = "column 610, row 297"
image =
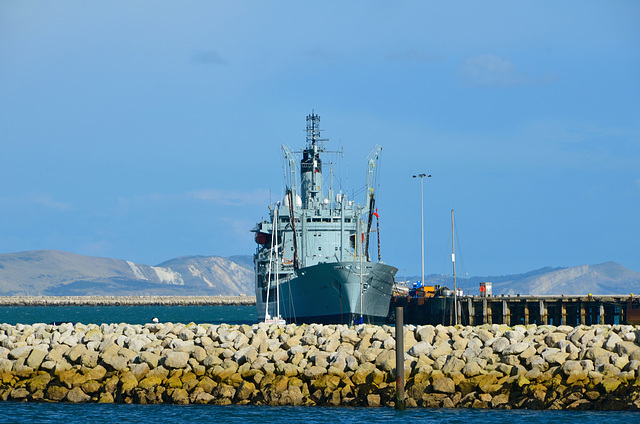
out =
column 605, row 278
column 58, row 273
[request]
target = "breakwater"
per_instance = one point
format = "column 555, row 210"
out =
column 490, row 366
column 126, row 300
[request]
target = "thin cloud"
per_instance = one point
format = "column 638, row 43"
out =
column 411, row 56
column 99, row 248
column 319, row 54
column 210, row 195
column 493, row 71
column 48, row 201
column 231, row 197
column 126, row 204
column 238, row 227
column 40, row 199
column 208, row 57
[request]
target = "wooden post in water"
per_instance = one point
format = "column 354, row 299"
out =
column 489, row 312
column 506, row 318
column 484, row 311
column 400, row 404
column 543, row 312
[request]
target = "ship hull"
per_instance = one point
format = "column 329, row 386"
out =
column 330, row 293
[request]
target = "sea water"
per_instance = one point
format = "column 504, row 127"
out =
column 129, row 314
column 13, row 412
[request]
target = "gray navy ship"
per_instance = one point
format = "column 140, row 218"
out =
column 312, row 261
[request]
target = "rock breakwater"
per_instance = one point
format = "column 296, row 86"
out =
column 585, row 367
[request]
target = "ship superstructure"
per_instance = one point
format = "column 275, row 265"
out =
column 312, row 260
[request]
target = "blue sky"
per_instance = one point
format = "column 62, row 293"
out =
column 149, row 130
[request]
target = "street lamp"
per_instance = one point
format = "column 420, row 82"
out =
column 421, row 176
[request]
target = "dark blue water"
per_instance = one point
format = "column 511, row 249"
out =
column 129, row 314
column 11, row 412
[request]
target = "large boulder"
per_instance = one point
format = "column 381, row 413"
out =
column 176, row 359
column 444, row 385
column 36, row 357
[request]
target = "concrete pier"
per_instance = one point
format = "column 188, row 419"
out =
column 523, row 310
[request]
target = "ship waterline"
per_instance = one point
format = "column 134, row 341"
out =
column 335, row 293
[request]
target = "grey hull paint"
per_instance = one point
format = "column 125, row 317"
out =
column 330, row 292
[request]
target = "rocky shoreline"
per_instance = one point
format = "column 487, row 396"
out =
column 541, row 367
column 126, row 300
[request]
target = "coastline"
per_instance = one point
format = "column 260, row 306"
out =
column 127, row 300
column 490, row 366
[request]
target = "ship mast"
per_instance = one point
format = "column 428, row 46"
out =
column 370, row 199
column 277, row 247
column 274, row 236
column 311, row 165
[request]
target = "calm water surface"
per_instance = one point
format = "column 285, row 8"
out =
column 100, row 413
column 129, row 314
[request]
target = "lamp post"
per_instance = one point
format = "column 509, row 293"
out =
column 421, row 176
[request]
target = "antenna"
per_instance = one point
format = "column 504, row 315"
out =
column 313, row 131
column 331, row 182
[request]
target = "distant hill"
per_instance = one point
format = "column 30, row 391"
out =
column 606, row 278
column 56, row 273
column 226, row 276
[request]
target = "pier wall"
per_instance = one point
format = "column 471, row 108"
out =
column 521, row 310
column 489, row 366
